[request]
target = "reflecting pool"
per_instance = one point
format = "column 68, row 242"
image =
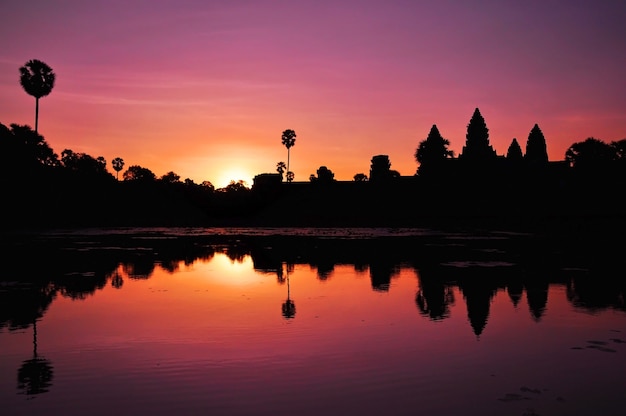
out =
column 310, row 322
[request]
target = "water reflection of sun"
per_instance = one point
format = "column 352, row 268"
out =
column 226, row 271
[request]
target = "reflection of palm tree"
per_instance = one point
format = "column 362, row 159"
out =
column 35, row 375
column 37, row 79
column 289, row 307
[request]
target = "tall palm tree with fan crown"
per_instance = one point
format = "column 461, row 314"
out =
column 37, row 79
column 288, row 138
column 118, row 164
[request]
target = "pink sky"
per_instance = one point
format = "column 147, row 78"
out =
column 205, row 88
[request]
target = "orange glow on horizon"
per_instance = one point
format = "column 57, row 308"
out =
column 210, row 101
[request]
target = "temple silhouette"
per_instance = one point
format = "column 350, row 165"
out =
column 517, row 189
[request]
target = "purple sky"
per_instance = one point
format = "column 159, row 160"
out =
column 205, row 88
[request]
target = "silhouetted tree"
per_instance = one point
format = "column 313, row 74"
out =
column 360, row 177
column 432, row 152
column 514, row 153
column 27, row 149
column 5, row 134
column 590, row 155
column 288, row 139
column 324, row 175
column 170, row 178
column 138, row 173
column 84, row 164
column 477, row 147
column 37, row 79
column 281, row 168
column 536, row 150
column 290, row 176
column 118, row 165
column 619, row 147
column 207, row 186
column 235, row 187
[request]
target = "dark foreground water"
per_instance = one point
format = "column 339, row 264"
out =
column 310, row 322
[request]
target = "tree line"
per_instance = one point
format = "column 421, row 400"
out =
column 77, row 188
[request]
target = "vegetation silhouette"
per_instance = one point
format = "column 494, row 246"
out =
column 37, row 79
column 288, row 139
column 477, row 188
column 432, row 152
column 281, row 167
column 360, row 177
column 118, row 165
column 324, row 176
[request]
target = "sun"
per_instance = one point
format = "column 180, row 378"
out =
column 233, row 174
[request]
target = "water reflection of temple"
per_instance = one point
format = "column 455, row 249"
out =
column 434, row 296
column 78, row 274
column 478, row 286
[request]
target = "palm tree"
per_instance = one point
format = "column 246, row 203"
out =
column 37, row 79
column 281, row 167
column 118, row 164
column 288, row 139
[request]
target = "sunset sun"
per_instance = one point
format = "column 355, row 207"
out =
column 235, row 174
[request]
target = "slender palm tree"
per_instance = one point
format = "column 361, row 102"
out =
column 289, row 139
column 118, row 164
column 37, row 79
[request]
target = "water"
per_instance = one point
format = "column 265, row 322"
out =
column 368, row 322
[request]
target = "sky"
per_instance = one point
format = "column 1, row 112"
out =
column 205, row 88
